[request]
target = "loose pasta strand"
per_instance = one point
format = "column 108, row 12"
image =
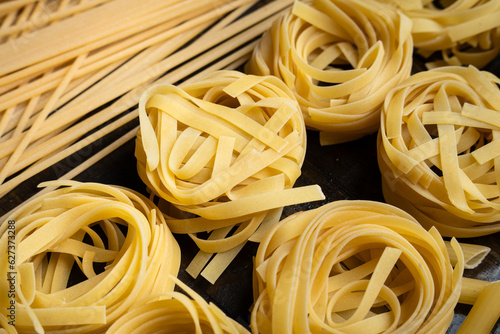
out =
column 485, row 312
column 64, row 117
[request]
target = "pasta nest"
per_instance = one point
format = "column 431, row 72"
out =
column 354, row 267
column 85, row 253
column 224, row 150
column 340, row 58
column 176, row 312
column 438, row 150
column 466, row 32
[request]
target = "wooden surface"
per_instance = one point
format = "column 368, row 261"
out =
column 346, row 171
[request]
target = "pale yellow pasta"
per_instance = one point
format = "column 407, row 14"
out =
column 62, row 61
column 176, row 312
column 464, row 32
column 354, row 267
column 473, row 254
column 225, row 151
column 5, row 327
column 485, row 312
column 83, row 255
column 340, row 58
column 438, row 150
column 471, row 288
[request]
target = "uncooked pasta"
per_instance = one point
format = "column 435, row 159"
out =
column 462, row 32
column 176, row 312
column 354, row 267
column 340, row 58
column 226, row 151
column 83, row 255
column 439, row 150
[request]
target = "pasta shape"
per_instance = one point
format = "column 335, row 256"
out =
column 485, row 312
column 76, row 67
column 471, row 289
column 473, row 254
column 438, row 150
column 85, row 253
column 340, row 58
column 354, row 267
column 225, row 151
column 176, row 312
column 463, row 32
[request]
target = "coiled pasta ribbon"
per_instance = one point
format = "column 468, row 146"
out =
column 340, row 58
column 226, row 149
column 354, row 267
column 439, row 150
column 84, row 254
column 176, row 312
column 465, row 32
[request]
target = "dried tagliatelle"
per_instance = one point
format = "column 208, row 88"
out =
column 354, row 267
column 340, row 57
column 226, row 149
column 463, row 31
column 176, row 312
column 439, row 150
column 82, row 255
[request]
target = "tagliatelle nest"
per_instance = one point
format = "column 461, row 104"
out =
column 354, row 267
column 341, row 58
column 439, row 150
column 226, row 149
column 176, row 312
column 465, row 32
column 84, row 254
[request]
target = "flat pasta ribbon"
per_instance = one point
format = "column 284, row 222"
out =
column 485, row 312
column 176, row 312
column 354, row 267
column 340, row 58
column 225, row 151
column 464, row 32
column 84, row 254
column 439, row 148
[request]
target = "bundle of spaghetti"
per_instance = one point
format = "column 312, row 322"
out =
column 45, row 95
column 354, row 267
column 225, row 150
column 438, row 150
column 226, row 45
column 82, row 255
column 340, row 58
column 485, row 312
column 463, row 32
column 176, row 312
